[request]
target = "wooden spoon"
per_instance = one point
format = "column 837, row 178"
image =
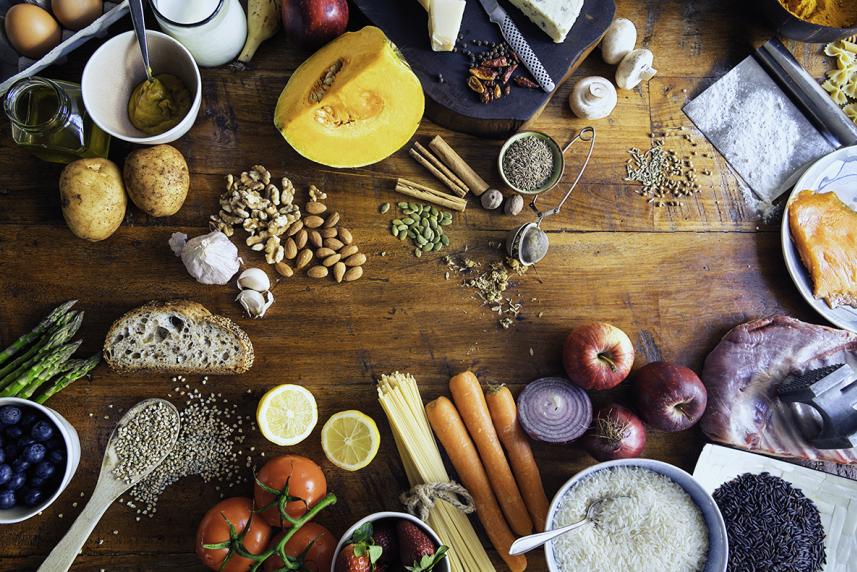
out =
column 107, row 490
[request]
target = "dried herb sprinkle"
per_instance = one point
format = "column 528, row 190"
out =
column 528, row 163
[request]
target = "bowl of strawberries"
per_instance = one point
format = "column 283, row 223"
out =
column 390, row 542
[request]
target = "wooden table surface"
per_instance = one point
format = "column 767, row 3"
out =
column 675, row 279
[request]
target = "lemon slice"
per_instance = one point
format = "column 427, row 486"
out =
column 287, row 414
column 350, row 440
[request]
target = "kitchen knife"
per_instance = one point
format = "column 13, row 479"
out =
column 519, row 45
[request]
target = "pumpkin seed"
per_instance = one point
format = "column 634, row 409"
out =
column 408, row 221
column 434, row 211
column 384, row 208
column 402, row 228
column 420, row 240
column 402, row 205
column 403, row 236
column 444, row 239
column 417, row 252
column 397, row 222
column 427, row 247
column 395, row 231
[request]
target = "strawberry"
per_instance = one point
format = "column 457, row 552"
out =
column 385, row 537
column 360, row 554
column 416, row 549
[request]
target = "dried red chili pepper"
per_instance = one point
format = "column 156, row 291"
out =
column 483, row 74
column 507, row 75
column 495, row 63
column 525, row 82
column 476, row 85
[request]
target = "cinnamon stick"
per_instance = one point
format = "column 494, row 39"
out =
column 441, row 167
column 450, row 184
column 458, row 166
column 430, row 195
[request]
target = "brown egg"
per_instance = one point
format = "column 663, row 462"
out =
column 76, row 14
column 32, row 31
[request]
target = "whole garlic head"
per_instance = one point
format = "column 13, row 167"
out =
column 254, row 279
column 254, row 303
column 210, row 258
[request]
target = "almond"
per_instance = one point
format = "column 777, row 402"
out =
column 356, row 259
column 332, row 220
column 339, row 270
column 323, row 253
column 331, row 260
column 317, row 272
column 348, row 250
column 345, row 235
column 304, row 258
column 327, row 232
column 333, row 243
column 315, row 239
column 353, row 274
column 315, row 207
column 284, row 269
column 295, row 228
column 291, row 248
column 301, row 238
column 313, row 221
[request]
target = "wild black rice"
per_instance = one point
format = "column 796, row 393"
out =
column 771, row 526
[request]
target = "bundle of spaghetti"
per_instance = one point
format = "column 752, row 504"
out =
column 401, row 401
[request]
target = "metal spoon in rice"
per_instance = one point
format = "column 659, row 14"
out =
column 533, row 541
column 138, row 444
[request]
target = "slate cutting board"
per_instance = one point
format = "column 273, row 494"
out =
column 451, row 104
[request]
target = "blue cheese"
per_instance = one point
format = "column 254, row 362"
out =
column 554, row 17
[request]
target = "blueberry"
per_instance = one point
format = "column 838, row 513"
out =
column 42, row 431
column 56, row 457
column 10, row 415
column 32, row 497
column 7, row 499
column 20, row 465
column 34, row 453
column 36, row 482
column 23, row 442
column 16, row 482
column 29, row 418
column 14, row 432
column 44, row 470
column 6, row 473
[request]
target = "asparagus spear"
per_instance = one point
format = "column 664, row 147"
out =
column 69, row 377
column 60, row 333
column 28, row 338
column 64, row 331
column 55, row 359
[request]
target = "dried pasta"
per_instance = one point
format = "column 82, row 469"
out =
column 401, row 401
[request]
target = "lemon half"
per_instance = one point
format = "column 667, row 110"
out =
column 287, row 414
column 350, row 440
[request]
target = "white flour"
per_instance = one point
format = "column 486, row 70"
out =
column 711, row 118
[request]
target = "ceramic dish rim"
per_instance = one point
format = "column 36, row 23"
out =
column 789, row 249
column 174, row 132
column 558, row 161
column 656, row 466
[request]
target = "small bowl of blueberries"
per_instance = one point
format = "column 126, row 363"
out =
column 39, row 454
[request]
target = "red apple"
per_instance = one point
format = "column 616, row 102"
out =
column 311, row 23
column 597, row 356
column 669, row 397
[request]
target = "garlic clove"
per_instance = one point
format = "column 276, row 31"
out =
column 178, row 240
column 254, row 279
column 254, row 303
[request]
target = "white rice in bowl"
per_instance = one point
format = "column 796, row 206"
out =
column 650, row 525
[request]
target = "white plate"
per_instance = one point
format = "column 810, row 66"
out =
column 835, row 497
column 836, row 173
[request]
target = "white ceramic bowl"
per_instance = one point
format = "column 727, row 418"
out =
column 72, row 447
column 116, row 68
column 443, row 566
column 718, row 544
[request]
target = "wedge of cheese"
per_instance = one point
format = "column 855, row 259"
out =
column 554, row 17
column 444, row 18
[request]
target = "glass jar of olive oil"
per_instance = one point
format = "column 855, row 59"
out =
column 49, row 120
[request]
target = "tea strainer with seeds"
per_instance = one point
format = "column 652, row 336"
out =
column 528, row 243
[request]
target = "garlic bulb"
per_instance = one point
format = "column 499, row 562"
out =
column 592, row 98
column 254, row 303
column 254, row 279
column 210, row 258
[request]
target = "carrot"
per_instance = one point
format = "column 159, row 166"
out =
column 451, row 432
column 504, row 414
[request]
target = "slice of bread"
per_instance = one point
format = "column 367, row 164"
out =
column 175, row 337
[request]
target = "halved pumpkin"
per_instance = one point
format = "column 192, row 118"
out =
column 352, row 103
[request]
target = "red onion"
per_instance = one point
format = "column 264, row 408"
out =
column 616, row 433
column 553, row 410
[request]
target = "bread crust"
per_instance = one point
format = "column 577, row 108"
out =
column 194, row 312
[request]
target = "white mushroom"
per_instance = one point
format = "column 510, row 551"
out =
column 634, row 68
column 592, row 98
column 619, row 40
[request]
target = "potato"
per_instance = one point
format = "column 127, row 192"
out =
column 93, row 198
column 157, row 179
